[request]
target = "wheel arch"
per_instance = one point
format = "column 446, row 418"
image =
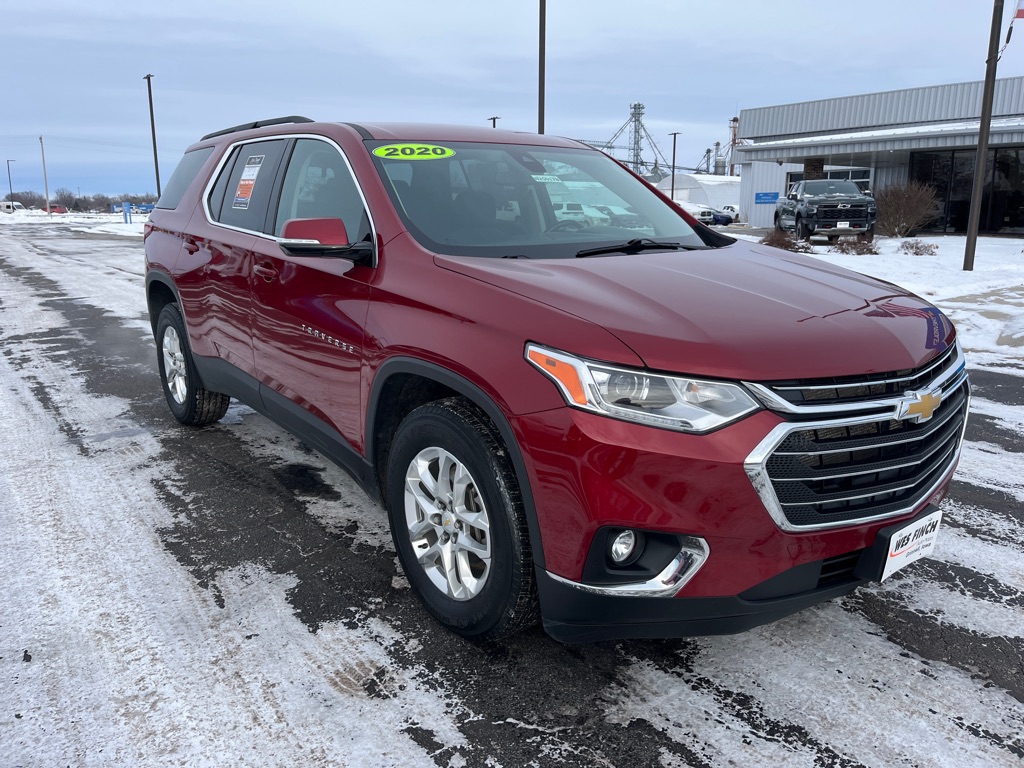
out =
column 403, row 384
column 160, row 291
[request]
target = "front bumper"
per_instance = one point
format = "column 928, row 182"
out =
column 830, row 228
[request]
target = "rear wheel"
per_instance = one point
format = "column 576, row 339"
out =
column 458, row 521
column 189, row 402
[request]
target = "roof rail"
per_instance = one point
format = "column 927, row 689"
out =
column 258, row 124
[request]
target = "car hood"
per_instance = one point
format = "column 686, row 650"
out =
column 837, row 198
column 745, row 311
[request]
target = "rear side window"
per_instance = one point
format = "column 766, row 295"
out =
column 249, row 185
column 183, row 176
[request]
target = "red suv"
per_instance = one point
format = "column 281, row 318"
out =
column 648, row 431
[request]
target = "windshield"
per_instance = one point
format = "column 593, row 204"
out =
column 831, row 188
column 511, row 200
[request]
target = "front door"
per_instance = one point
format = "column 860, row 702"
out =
column 308, row 312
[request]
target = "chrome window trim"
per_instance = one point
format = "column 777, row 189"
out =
column 208, row 189
column 684, row 566
column 756, row 462
column 948, row 381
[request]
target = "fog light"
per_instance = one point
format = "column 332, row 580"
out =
column 623, row 546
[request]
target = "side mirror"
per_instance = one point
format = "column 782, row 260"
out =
column 321, row 237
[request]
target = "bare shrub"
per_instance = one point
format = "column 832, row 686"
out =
column 777, row 238
column 917, row 248
column 855, row 247
column 903, row 208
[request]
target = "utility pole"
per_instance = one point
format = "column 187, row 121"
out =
column 152, row 125
column 9, row 184
column 540, row 85
column 46, row 184
column 974, row 216
column 673, row 135
column 734, row 125
column 494, row 121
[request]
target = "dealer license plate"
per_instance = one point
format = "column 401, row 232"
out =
column 911, row 543
column 842, row 225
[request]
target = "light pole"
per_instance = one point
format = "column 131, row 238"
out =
column 9, row 184
column 540, row 86
column 152, row 125
column 494, row 121
column 673, row 194
column 984, row 125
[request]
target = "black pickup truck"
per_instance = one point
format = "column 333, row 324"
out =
column 826, row 207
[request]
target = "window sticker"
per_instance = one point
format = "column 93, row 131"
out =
column 413, row 152
column 245, row 184
column 546, row 178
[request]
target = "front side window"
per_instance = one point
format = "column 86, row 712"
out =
column 494, row 200
column 318, row 184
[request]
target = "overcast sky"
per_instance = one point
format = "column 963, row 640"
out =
column 74, row 68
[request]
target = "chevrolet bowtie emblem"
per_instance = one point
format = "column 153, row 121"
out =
column 918, row 406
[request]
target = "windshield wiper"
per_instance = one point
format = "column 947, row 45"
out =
column 637, row 245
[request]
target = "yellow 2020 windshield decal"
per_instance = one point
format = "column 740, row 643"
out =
column 413, row 152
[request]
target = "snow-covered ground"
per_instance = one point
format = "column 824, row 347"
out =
column 113, row 651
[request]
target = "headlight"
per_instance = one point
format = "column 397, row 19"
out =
column 811, row 209
column 670, row 402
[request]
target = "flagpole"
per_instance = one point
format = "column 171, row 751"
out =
column 983, row 130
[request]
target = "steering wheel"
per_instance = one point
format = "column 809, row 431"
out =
column 566, row 225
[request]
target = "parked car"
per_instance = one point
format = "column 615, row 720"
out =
column 732, row 210
column 828, row 207
column 624, row 435
column 702, row 213
column 720, row 217
column 622, row 217
column 57, row 208
column 6, row 206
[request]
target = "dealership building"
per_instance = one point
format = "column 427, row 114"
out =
column 877, row 139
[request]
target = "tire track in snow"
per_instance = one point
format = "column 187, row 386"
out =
column 130, row 661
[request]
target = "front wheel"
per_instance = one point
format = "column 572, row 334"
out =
column 803, row 232
column 190, row 403
column 458, row 521
column 867, row 236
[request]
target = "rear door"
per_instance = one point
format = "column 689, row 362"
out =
column 215, row 291
column 309, row 311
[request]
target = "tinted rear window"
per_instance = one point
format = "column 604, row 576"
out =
column 183, row 176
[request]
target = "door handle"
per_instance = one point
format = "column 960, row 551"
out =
column 266, row 271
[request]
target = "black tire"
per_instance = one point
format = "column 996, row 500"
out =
column 483, row 600
column 803, row 232
column 778, row 223
column 188, row 401
column 867, row 236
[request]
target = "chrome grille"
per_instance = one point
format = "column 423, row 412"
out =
column 861, row 456
column 834, row 475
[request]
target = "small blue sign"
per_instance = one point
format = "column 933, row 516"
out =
column 766, row 198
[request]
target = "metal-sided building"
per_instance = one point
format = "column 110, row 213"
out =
column 924, row 134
